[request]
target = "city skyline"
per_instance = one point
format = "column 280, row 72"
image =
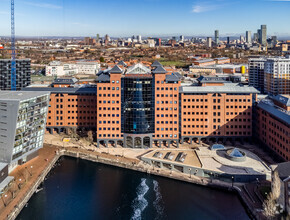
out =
column 149, row 17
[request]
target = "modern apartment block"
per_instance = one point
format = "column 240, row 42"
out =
column 22, row 125
column 23, row 71
column 272, row 125
column 270, row 75
column 138, row 106
column 277, row 76
column 256, row 73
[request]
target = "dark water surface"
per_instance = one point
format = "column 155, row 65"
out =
column 79, row 189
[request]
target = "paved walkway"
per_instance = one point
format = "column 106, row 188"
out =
column 24, row 179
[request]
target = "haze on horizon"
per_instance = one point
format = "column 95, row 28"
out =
column 146, row 17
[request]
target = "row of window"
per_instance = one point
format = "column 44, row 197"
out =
column 166, row 88
column 109, row 95
column 109, row 129
column 109, row 115
column 109, row 88
column 77, row 123
column 166, row 115
column 77, row 100
column 216, row 100
column 215, row 133
column 166, row 102
column 108, row 102
column 162, row 95
column 166, row 129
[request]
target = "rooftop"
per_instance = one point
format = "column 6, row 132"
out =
column 283, row 99
column 65, row 81
column 228, row 88
column 283, row 170
column 69, row 90
column 269, row 107
column 22, row 95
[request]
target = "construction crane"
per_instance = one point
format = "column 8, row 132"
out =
column 13, row 52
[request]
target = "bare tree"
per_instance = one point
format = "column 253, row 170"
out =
column 90, row 136
column 276, row 185
column 13, row 189
column 269, row 206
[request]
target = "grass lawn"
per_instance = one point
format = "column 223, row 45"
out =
column 177, row 63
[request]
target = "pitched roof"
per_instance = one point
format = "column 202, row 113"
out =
column 116, row 69
column 122, row 63
column 103, row 78
column 65, row 81
column 271, row 109
column 159, row 69
column 283, row 170
column 285, row 100
column 156, row 64
column 174, row 77
column 212, row 79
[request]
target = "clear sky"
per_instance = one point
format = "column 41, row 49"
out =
column 145, row 17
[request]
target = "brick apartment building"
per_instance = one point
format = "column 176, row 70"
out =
column 139, row 105
column 272, row 125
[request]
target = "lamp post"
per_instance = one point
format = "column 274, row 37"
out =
column 232, row 182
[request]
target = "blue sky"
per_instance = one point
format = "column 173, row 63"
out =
column 145, row 17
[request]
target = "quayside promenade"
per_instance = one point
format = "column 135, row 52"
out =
column 29, row 176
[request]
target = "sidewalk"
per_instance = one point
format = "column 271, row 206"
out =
column 24, row 179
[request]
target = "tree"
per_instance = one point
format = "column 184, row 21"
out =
column 102, row 59
column 90, row 136
column 276, row 185
column 269, row 206
column 13, row 189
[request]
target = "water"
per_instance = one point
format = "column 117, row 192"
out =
column 79, row 189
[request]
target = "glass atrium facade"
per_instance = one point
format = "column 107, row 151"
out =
column 138, row 105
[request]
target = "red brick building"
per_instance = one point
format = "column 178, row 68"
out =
column 273, row 124
column 141, row 105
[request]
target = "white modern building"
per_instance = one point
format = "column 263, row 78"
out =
column 277, row 76
column 57, row 68
column 22, row 125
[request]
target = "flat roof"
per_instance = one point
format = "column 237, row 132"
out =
column 22, row 95
column 228, row 88
column 68, row 90
column 216, row 161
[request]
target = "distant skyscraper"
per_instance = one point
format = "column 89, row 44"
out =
column 139, row 38
column 248, row 37
column 217, row 37
column 181, row 38
column 256, row 37
column 209, row 42
column 263, row 35
column 274, row 40
column 242, row 40
column 228, row 40
column 98, row 38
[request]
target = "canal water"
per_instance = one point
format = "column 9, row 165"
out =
column 79, row 189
